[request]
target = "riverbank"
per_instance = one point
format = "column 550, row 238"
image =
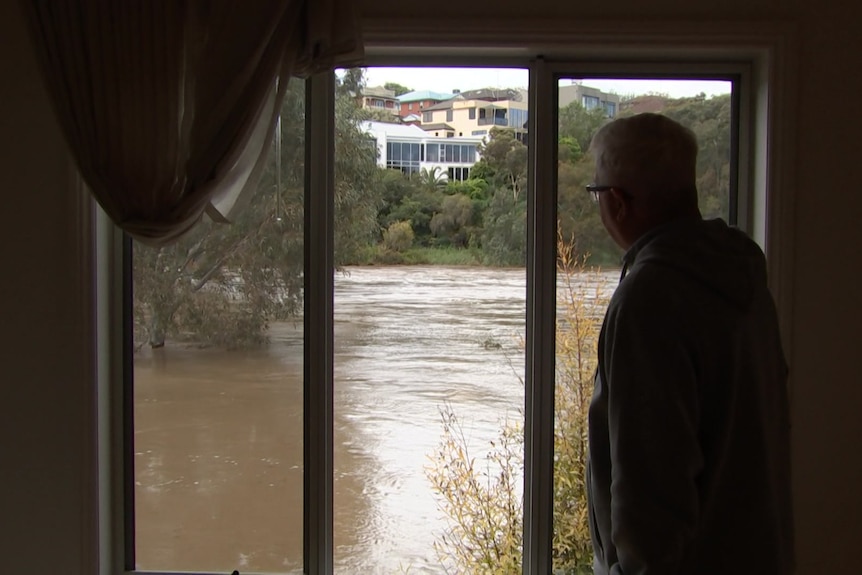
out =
column 379, row 255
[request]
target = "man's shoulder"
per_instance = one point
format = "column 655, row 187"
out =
column 648, row 281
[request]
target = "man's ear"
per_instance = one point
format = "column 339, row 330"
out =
column 620, row 204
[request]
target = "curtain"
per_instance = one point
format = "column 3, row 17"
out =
column 168, row 106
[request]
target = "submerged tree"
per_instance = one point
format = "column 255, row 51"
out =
column 222, row 284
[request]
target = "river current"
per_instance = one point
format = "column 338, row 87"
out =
column 218, row 434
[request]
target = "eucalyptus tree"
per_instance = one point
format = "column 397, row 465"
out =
column 223, row 284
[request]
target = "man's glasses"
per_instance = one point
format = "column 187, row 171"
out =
column 595, row 190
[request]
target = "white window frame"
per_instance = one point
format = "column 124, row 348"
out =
column 758, row 52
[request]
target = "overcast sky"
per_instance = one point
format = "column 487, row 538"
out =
column 449, row 79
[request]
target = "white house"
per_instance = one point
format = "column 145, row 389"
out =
column 410, row 149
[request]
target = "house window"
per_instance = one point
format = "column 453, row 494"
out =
column 610, row 109
column 472, row 113
column 590, row 102
column 219, row 426
column 427, row 117
column 459, row 174
column 404, row 156
column 449, row 115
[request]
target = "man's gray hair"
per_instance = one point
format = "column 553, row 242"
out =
column 649, row 151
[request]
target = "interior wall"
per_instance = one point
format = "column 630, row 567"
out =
column 46, row 429
column 45, row 447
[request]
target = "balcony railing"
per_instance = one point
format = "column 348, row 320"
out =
column 493, row 122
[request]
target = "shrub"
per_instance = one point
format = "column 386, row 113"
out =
column 481, row 498
column 398, row 236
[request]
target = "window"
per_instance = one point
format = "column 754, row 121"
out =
column 432, row 152
column 472, row 113
column 518, row 118
column 404, row 156
column 590, row 102
column 459, row 174
column 374, row 408
column 449, row 115
column 588, row 290
column 427, row 117
column 610, row 109
column 218, row 418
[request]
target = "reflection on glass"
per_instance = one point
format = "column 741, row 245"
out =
column 429, row 322
column 588, row 260
column 218, row 382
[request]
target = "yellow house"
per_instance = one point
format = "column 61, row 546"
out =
column 474, row 113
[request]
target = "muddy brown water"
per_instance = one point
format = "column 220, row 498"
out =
column 218, row 434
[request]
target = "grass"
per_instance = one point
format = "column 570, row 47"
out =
column 448, row 256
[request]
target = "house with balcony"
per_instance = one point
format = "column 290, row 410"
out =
column 411, row 149
column 379, row 98
column 475, row 112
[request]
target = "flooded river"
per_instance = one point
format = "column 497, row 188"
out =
column 218, row 435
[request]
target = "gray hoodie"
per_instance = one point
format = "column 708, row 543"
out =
column 689, row 433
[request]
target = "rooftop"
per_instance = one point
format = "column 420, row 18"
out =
column 436, row 126
column 378, row 91
column 422, row 95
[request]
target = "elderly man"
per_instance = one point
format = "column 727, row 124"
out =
column 689, row 467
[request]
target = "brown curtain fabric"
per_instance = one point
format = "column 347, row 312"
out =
column 169, row 106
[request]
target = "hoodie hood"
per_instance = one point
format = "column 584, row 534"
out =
column 712, row 253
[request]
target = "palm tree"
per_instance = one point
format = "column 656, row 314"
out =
column 433, row 179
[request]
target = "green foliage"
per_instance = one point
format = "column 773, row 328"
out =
column 579, row 217
column 441, row 257
column 504, row 163
column 709, row 119
column 480, row 496
column 431, row 180
column 397, row 88
column 569, row 150
column 577, row 126
column 578, row 323
column 351, row 82
column 452, row 225
column 398, row 237
column 379, row 115
column 481, row 499
column 223, row 284
column 505, row 230
column 474, row 188
column 415, row 200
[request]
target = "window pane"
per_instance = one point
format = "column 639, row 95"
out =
column 588, row 260
column 429, row 322
column 218, row 382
